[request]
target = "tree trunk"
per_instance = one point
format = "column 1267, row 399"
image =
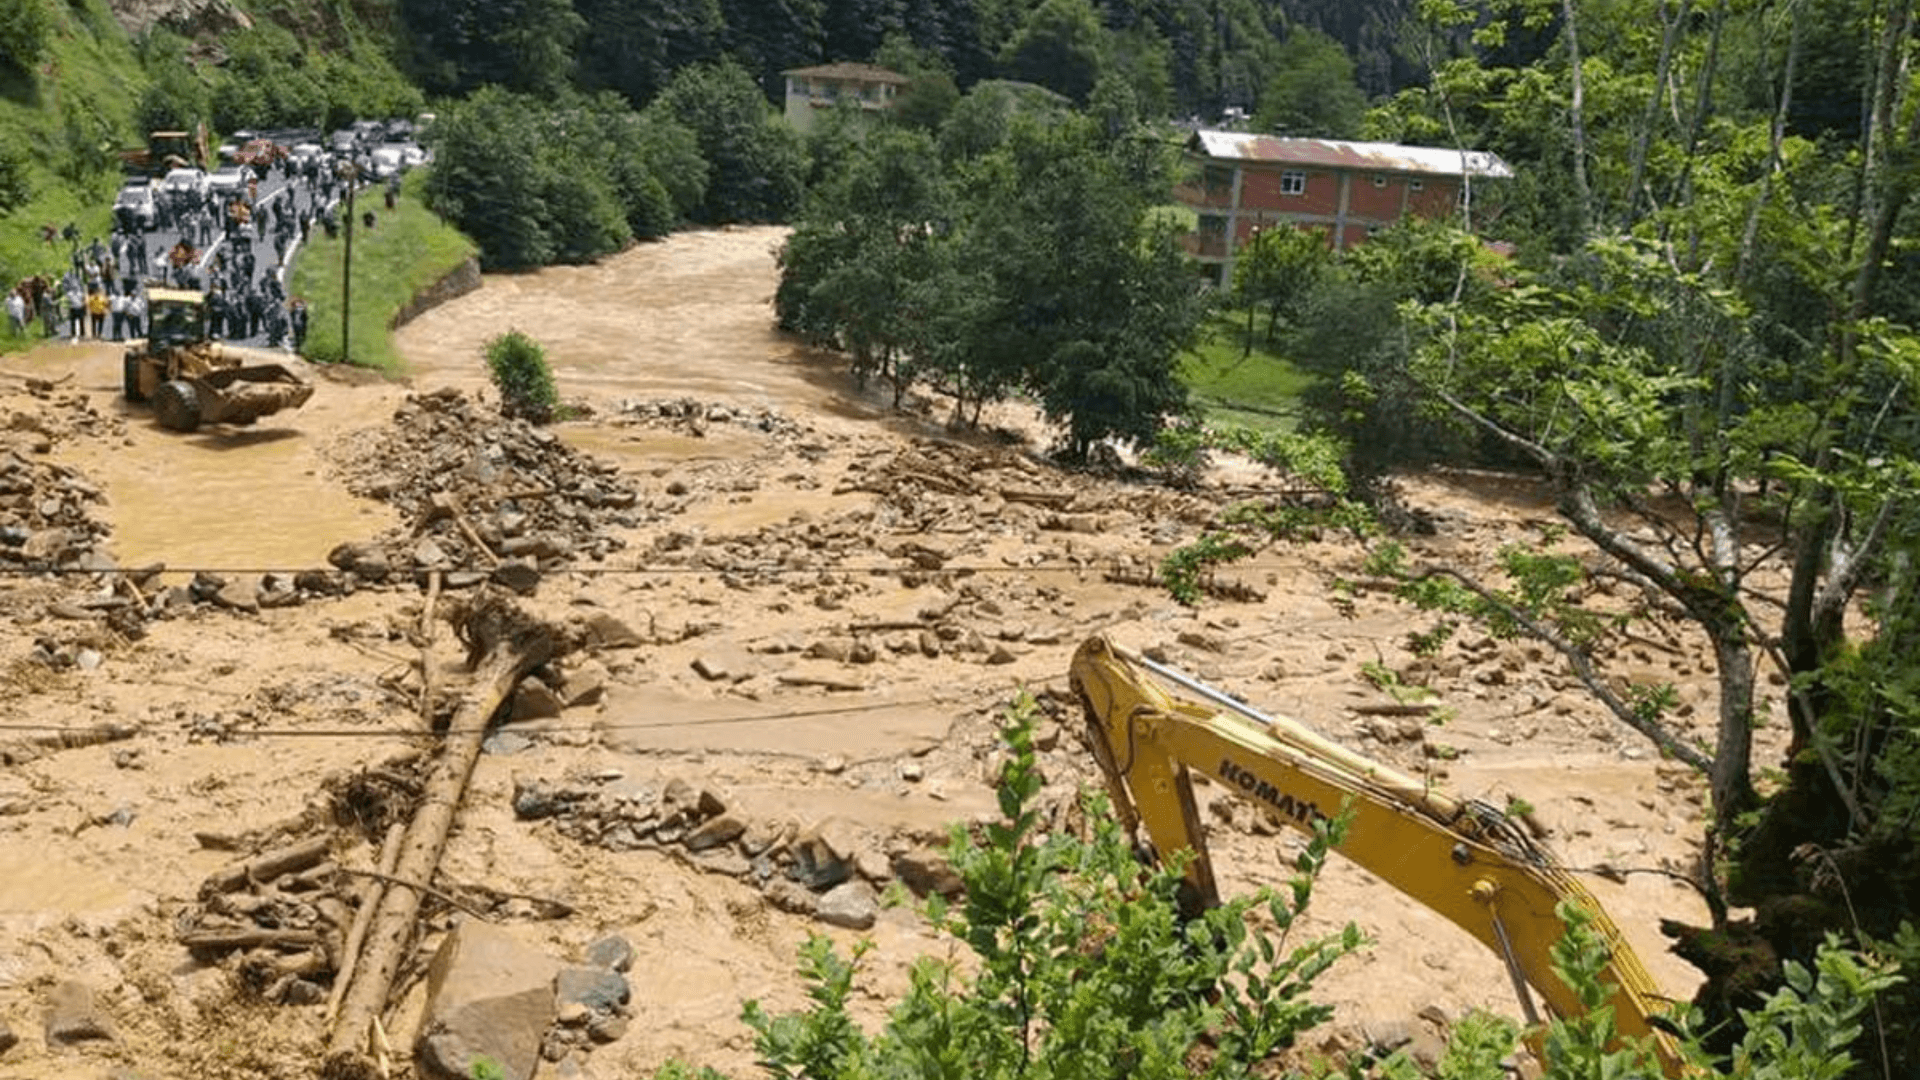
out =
column 1637, row 164
column 1577, row 121
column 506, row 644
column 1776, row 137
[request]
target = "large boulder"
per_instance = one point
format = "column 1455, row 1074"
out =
column 488, row 996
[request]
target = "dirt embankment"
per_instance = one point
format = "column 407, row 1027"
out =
column 793, row 620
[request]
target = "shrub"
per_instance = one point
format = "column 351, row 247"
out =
column 519, row 369
column 25, row 26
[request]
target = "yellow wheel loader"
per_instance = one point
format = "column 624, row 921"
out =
column 190, row 381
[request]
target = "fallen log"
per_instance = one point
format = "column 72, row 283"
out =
column 363, row 915
column 504, row 644
column 298, row 856
column 218, row 941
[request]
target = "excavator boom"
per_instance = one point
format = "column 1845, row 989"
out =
column 1464, row 860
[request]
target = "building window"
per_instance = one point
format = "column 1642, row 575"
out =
column 1418, row 185
column 1379, row 180
column 1293, row 183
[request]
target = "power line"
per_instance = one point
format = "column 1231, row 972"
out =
column 20, row 570
column 415, row 733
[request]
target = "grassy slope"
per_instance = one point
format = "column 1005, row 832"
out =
column 407, row 251
column 1257, row 390
column 89, row 83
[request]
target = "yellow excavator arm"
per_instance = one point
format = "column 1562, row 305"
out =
column 1464, row 860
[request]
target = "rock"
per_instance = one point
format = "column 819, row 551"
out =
column 834, row 649
column 303, row 992
column 8, row 1040
column 607, row 632
column 598, row 988
column 572, row 1014
column 73, row 1016
column 501, row 743
column 873, row 866
column 851, row 905
column 535, row 799
column 487, row 995
column 240, row 595
column 534, row 700
column 761, row 836
column 318, row 582
column 926, row 871
column 1001, row 655
column 429, row 555
column 606, row 1029
column 791, row 896
column 724, row 664
column 724, row 860
column 520, row 575
column 584, row 685
column 716, row 831
column 612, row 952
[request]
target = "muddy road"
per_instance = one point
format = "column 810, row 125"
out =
column 782, row 532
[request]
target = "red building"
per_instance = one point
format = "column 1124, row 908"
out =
column 1344, row 189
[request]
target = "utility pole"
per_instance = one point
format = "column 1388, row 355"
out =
column 347, row 173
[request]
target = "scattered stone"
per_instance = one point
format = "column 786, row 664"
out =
column 791, row 896
column 502, row 743
column 487, row 995
column 851, row 905
column 572, row 1014
column 520, row 575
column 612, row 952
column 73, row 1016
column 607, row 632
column 606, row 1029
column 534, row 700
column 715, row 831
column 584, row 685
column 8, row 1040
column 600, row 989
column 927, row 872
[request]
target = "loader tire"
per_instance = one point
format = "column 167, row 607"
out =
column 130, row 378
column 177, row 406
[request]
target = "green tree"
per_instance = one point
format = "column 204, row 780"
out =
column 1061, row 46
column 1312, row 91
column 517, row 364
column 1278, row 267
column 754, row 159
column 455, row 46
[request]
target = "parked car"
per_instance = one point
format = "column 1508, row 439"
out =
column 306, row 152
column 136, row 208
column 185, row 183
column 389, row 160
column 228, row 182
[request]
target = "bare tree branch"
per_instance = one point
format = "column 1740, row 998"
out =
column 1583, row 670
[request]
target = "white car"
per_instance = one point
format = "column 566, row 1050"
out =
column 230, row 181
column 185, row 182
column 135, row 204
column 389, row 160
column 307, row 151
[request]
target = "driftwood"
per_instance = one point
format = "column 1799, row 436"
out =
column 505, row 644
column 1052, row 500
column 201, row 941
column 363, row 915
column 293, row 857
column 33, row 748
column 1396, row 708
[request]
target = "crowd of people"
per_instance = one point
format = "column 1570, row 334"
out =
column 102, row 293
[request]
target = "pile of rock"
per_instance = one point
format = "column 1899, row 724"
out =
column 829, row 870
column 478, row 493
column 46, row 520
column 694, row 416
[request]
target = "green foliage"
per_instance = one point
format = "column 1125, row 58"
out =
column 754, row 159
column 1312, row 92
column 483, row 1067
column 517, row 364
column 16, row 183
column 456, row 46
column 1062, row 47
column 537, row 182
column 1082, row 964
column 25, row 26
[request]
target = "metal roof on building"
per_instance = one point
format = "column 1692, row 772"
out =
column 1344, row 154
column 850, row 71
